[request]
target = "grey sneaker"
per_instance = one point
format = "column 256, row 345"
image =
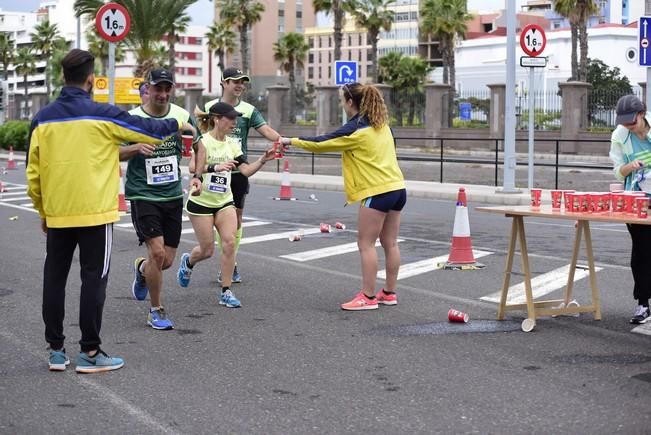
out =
column 641, row 315
column 58, row 360
column 101, row 362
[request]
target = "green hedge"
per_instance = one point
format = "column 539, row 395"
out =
column 14, row 133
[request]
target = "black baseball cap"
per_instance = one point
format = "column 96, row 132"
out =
column 627, row 108
column 224, row 109
column 234, row 74
column 160, row 75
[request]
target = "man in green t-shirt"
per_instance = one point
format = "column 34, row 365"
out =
column 233, row 86
column 153, row 185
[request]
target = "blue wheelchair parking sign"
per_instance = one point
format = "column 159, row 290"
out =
column 345, row 72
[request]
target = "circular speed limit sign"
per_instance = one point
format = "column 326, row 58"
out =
column 112, row 22
column 533, row 40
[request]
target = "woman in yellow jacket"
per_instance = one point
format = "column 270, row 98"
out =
column 373, row 177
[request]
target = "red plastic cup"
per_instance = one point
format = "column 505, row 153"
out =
column 566, row 194
column 340, row 226
column 584, row 203
column 325, row 228
column 642, row 206
column 557, row 199
column 279, row 151
column 456, row 316
column 618, row 204
column 605, row 199
column 187, row 144
column 535, row 197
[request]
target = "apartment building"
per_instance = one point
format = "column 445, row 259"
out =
column 279, row 17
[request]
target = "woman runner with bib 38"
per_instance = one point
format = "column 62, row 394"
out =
column 373, row 177
column 214, row 207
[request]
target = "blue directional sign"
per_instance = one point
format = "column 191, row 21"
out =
column 345, row 72
column 645, row 35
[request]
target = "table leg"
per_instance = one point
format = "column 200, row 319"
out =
column 596, row 299
column 508, row 267
column 575, row 258
column 531, row 308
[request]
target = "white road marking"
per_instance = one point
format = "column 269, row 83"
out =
column 540, row 285
column 20, row 198
column 315, row 254
column 277, row 236
column 423, row 266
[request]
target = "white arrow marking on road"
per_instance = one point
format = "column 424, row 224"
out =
column 540, row 285
column 315, row 254
column 412, row 269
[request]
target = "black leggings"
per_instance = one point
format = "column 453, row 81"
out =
column 641, row 261
column 94, row 260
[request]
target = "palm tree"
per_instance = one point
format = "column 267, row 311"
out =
column 374, row 16
column 45, row 37
column 335, row 7
column 7, row 52
column 578, row 12
column 25, row 63
column 150, row 21
column 445, row 20
column 290, row 52
column 221, row 40
column 179, row 26
column 242, row 14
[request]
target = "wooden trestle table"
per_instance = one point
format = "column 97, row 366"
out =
column 536, row 309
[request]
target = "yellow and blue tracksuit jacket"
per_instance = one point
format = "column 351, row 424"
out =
column 73, row 171
column 368, row 157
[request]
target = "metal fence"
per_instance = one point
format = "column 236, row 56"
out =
column 472, row 107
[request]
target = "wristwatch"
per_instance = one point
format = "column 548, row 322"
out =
column 199, row 177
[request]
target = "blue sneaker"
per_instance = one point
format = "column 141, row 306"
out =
column 138, row 288
column 101, row 362
column 228, row 298
column 157, row 319
column 184, row 273
column 237, row 278
column 58, row 360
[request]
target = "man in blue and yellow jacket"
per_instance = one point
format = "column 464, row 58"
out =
column 73, row 180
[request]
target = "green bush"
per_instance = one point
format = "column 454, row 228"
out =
column 14, row 133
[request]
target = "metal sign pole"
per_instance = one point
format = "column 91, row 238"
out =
column 111, row 72
column 531, row 125
column 509, row 121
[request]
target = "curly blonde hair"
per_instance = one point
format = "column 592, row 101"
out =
column 369, row 101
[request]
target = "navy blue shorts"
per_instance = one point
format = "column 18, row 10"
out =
column 384, row 202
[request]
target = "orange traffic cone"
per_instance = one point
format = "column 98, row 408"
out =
column 285, row 185
column 122, row 202
column 11, row 163
column 461, row 256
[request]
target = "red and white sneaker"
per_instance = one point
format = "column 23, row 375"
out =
column 360, row 302
column 386, row 299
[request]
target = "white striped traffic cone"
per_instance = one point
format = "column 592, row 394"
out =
column 11, row 163
column 285, row 185
column 461, row 256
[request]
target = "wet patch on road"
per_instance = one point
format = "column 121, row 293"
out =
column 284, row 392
column 443, row 328
column 646, row 377
column 66, row 405
column 618, row 358
column 188, row 331
column 5, row 292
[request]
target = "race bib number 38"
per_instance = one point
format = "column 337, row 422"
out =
column 219, row 182
column 162, row 170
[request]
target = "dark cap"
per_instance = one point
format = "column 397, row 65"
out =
column 160, row 75
column 234, row 74
column 224, row 109
column 627, row 108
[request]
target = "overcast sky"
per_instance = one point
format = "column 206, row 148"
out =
column 202, row 11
